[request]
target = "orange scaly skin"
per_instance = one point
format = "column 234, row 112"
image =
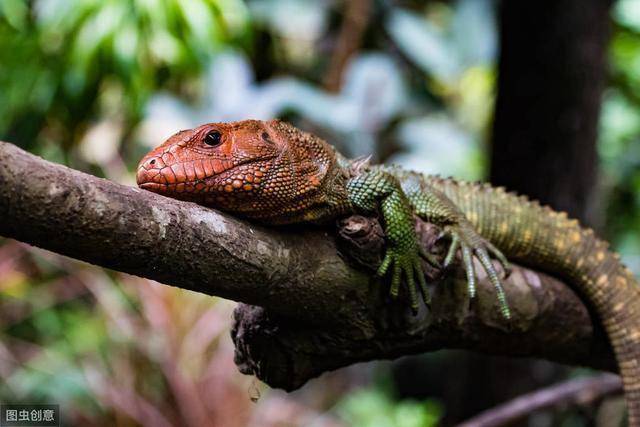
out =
column 257, row 171
column 276, row 174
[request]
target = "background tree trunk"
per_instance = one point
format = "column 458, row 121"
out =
column 551, row 75
column 550, row 79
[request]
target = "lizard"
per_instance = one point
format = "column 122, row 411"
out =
column 273, row 173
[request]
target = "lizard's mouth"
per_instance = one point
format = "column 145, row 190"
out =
column 163, row 182
column 187, row 192
column 150, row 178
column 186, row 182
column 151, row 186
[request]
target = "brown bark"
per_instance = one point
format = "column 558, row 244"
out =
column 311, row 310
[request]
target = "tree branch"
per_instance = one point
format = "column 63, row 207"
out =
column 579, row 391
column 311, row 310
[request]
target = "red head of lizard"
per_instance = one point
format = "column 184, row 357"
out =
column 266, row 170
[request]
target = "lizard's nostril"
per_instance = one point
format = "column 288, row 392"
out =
column 154, row 162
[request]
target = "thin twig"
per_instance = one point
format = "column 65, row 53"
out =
column 581, row 391
column 354, row 25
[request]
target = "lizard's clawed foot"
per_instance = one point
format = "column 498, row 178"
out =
column 471, row 244
column 407, row 263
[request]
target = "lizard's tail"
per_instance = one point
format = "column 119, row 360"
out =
column 619, row 308
column 559, row 245
column 541, row 238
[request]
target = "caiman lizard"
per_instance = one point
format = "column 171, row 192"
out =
column 271, row 172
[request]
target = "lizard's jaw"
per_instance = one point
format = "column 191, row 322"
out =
column 162, row 172
column 171, row 181
column 228, row 185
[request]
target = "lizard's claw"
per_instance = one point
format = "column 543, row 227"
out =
column 471, row 244
column 430, row 258
column 497, row 254
column 407, row 263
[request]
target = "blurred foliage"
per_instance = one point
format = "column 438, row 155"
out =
column 620, row 134
column 94, row 83
column 67, row 62
column 372, row 408
column 109, row 347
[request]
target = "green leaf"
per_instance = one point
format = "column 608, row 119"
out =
column 15, row 12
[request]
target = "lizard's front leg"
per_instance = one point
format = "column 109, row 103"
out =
column 372, row 190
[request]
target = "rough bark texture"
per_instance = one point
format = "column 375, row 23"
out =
column 551, row 75
column 311, row 310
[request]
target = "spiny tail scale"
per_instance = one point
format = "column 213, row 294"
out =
column 541, row 238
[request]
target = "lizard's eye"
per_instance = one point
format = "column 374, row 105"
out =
column 213, row 139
